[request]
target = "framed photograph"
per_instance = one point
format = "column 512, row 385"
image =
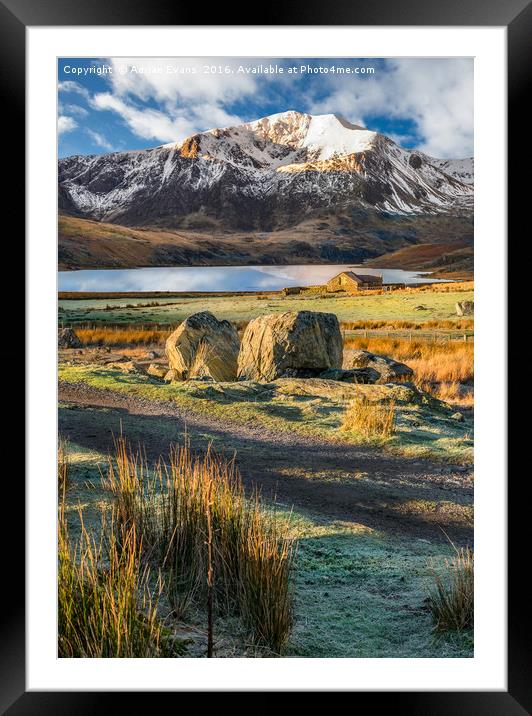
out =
column 266, row 266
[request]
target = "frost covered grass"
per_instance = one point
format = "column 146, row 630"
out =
column 214, row 546
column 357, row 592
column 305, row 407
column 451, row 600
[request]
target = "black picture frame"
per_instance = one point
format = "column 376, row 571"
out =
column 516, row 16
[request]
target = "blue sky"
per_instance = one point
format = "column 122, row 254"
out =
column 117, row 104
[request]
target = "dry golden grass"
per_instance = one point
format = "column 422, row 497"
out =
column 441, row 368
column 438, row 361
column 453, row 393
column 130, row 336
column 370, row 420
column 462, row 324
column 105, row 605
column 247, row 560
column 451, row 602
column 63, row 465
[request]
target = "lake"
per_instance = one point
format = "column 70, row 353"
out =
column 220, row 278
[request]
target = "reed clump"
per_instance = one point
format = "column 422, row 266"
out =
column 369, row 419
column 105, row 604
column 197, row 525
column 451, row 601
column 63, row 465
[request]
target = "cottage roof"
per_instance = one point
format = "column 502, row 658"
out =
column 359, row 277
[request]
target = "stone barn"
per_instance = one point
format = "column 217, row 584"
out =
column 350, row 281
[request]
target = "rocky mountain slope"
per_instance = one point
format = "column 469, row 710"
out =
column 278, row 174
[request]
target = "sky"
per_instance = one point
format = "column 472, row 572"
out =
column 120, row 104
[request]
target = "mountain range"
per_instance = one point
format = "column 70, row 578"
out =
column 287, row 188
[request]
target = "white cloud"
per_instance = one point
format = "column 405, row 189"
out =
column 172, row 126
column 168, row 80
column 74, row 88
column 436, row 94
column 98, row 139
column 65, row 124
column 73, row 109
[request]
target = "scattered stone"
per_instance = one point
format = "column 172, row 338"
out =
column 362, row 376
column 126, row 366
column 157, row 370
column 458, row 416
column 292, row 344
column 204, row 346
column 68, row 338
column 465, row 308
column 389, row 370
column 420, row 308
column 152, row 355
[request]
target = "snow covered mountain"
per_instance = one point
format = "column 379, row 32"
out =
column 265, row 175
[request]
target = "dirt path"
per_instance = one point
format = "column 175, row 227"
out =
column 369, row 486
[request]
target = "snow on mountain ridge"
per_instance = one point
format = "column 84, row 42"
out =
column 282, row 164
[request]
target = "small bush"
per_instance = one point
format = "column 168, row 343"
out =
column 369, row 419
column 451, row 602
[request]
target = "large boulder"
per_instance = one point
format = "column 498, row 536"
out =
column 465, row 308
column 68, row 338
column 298, row 344
column 203, row 346
column 389, row 370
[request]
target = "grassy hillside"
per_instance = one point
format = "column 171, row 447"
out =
column 344, row 237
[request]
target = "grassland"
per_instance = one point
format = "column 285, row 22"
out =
column 302, row 407
column 370, row 505
column 358, row 592
column 437, row 305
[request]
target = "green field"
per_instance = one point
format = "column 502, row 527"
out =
column 396, row 305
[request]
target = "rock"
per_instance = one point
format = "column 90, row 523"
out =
column 420, row 308
column 292, row 344
column 152, row 355
column 126, row 366
column 389, row 370
column 157, row 370
column 364, row 376
column 68, row 338
column 401, row 393
column 458, row 416
column 203, row 346
column 465, row 308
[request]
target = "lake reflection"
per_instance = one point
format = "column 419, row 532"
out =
column 219, row 278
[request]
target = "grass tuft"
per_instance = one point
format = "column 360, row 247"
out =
column 63, row 465
column 195, row 524
column 451, row 602
column 105, row 605
column 369, row 419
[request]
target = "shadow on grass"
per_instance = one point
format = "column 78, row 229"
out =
column 393, row 496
